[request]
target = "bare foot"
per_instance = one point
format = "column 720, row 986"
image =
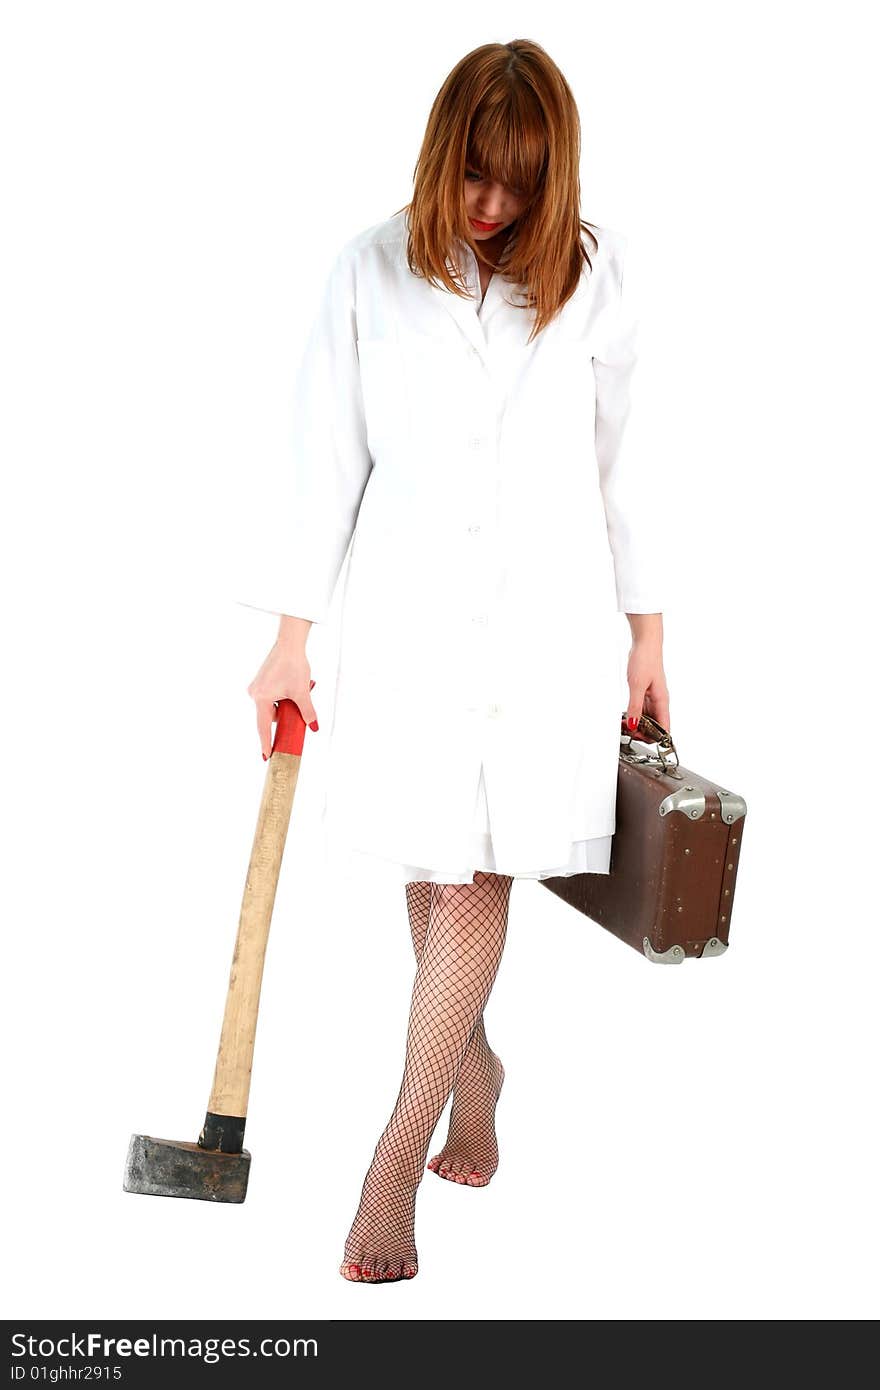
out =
column 470, row 1154
column 381, row 1247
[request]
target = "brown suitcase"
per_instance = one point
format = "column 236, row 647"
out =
column 674, row 855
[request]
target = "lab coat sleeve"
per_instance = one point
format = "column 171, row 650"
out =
column 319, row 491
column 629, row 475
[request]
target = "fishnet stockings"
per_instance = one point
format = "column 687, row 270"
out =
column 458, row 958
column 470, row 1154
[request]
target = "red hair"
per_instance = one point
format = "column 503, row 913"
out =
column 506, row 110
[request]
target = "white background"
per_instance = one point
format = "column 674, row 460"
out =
column 686, row 1143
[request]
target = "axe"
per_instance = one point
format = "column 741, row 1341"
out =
column 216, row 1167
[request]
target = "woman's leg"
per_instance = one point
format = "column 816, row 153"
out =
column 470, row 1154
column 467, row 928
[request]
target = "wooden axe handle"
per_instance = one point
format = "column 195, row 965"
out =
column 227, row 1107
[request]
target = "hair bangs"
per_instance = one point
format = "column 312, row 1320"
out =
column 507, row 142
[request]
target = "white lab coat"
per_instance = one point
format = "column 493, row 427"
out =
column 499, row 526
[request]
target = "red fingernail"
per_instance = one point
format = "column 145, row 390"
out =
column 314, row 725
column 265, row 759
column 633, row 723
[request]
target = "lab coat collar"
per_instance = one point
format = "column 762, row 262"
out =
column 465, row 310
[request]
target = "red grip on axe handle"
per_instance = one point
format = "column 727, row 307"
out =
column 290, row 728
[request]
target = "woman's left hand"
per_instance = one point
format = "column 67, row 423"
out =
column 648, row 692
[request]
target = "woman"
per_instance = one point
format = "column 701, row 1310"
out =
column 460, row 413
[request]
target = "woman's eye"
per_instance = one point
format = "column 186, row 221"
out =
column 472, row 174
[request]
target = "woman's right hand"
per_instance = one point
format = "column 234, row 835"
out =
column 284, row 675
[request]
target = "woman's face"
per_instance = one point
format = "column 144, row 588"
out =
column 491, row 207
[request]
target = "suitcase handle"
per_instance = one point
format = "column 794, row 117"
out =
column 650, row 736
